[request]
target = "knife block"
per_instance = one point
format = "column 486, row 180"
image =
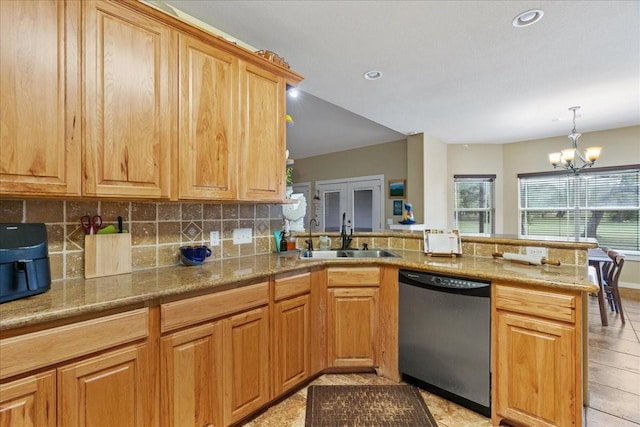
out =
column 107, row 255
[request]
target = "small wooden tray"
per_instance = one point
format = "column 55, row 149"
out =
column 443, row 254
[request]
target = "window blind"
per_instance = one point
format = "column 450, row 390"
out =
column 600, row 203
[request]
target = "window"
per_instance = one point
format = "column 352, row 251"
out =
column 473, row 210
column 599, row 203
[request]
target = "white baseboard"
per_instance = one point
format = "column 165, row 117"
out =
column 629, row 285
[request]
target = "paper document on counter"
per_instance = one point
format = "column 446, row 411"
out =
column 442, row 242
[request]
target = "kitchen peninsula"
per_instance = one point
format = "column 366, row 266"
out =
column 148, row 332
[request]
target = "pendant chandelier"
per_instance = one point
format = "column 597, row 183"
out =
column 566, row 159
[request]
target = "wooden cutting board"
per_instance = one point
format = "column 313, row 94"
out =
column 107, row 255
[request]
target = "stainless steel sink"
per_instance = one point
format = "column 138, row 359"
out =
column 370, row 253
column 322, row 254
column 349, row 253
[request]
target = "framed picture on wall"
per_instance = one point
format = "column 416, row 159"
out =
column 397, row 207
column 397, row 188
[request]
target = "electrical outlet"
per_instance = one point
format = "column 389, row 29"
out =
column 242, row 235
column 214, row 237
column 536, row 251
column 389, row 221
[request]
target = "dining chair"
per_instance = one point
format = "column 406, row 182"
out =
column 611, row 275
column 598, row 268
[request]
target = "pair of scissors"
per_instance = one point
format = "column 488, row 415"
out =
column 91, row 225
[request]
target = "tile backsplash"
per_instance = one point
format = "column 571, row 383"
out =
column 157, row 229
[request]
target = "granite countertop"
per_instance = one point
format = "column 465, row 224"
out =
column 75, row 297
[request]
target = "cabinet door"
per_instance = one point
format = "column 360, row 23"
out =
column 291, row 341
column 191, row 378
column 29, row 402
column 129, row 102
column 208, row 122
column 262, row 155
column 246, row 363
column 107, row 390
column 535, row 369
column 40, row 118
column 352, row 319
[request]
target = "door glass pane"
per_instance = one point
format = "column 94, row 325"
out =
column 332, row 216
column 363, row 210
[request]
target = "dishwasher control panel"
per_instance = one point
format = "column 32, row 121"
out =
column 438, row 280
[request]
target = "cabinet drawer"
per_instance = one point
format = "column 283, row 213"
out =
column 198, row 309
column 350, row 276
column 549, row 305
column 292, row 285
column 26, row 352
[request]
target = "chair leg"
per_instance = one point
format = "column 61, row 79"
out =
column 618, row 301
column 603, row 308
column 608, row 294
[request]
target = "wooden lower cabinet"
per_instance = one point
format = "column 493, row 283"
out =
column 291, row 341
column 352, row 318
column 191, row 379
column 111, row 389
column 245, row 363
column 29, row 402
column 537, row 360
column 217, row 373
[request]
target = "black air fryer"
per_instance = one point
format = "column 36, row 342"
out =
column 24, row 261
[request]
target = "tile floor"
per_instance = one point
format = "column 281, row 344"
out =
column 614, row 380
column 614, row 365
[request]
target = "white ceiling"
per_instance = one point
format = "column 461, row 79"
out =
column 456, row 70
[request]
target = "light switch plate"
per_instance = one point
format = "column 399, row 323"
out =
column 536, row 251
column 242, row 235
column 214, row 237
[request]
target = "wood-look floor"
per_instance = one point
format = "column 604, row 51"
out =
column 614, row 379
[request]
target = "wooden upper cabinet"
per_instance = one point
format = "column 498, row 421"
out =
column 129, row 93
column 262, row 147
column 208, row 121
column 40, row 117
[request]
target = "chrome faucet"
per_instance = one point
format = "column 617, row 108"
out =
column 310, row 241
column 346, row 239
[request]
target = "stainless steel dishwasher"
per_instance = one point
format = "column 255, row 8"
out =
column 445, row 337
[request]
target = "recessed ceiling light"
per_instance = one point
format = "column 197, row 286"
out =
column 527, row 18
column 293, row 92
column 372, row 75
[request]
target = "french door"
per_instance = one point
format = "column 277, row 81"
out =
column 359, row 199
